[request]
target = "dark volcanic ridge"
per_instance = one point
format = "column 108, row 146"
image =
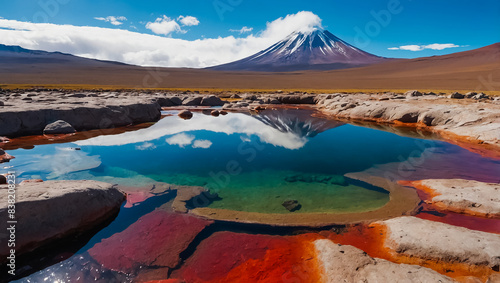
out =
column 314, row 50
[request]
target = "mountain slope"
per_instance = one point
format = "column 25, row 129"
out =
column 18, row 57
column 315, row 50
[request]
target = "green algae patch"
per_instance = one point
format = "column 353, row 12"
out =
column 267, row 191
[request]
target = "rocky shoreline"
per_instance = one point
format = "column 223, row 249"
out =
column 411, row 248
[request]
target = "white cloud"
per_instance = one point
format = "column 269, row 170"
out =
column 181, row 140
column 188, row 20
column 244, row 29
column 202, row 144
column 435, row 46
column 164, row 26
column 116, row 21
column 147, row 49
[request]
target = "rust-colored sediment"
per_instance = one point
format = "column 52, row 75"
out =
column 371, row 238
column 427, row 194
column 236, row 257
column 295, row 262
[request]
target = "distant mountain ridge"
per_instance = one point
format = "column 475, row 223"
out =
column 313, row 50
column 18, row 55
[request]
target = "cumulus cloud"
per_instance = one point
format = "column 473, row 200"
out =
column 164, row 26
column 244, row 29
column 188, row 20
column 202, row 144
column 146, row 49
column 116, row 21
column 435, row 46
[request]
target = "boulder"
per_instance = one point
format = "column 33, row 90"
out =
column 223, row 112
column 176, row 100
column 192, row 101
column 429, row 240
column 3, row 180
column 185, row 114
column 2, row 103
column 215, row 113
column 52, row 210
column 291, row 205
column 342, row 263
column 165, row 102
column 480, row 96
column 413, row 93
column 470, row 94
column 59, row 127
column 235, row 96
column 212, row 100
column 456, row 95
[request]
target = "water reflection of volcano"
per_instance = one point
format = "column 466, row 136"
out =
column 299, row 122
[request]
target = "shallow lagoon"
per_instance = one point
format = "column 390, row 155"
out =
column 253, row 163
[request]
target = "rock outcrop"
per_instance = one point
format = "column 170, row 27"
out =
column 52, row 210
column 59, row 127
column 341, row 263
column 428, row 240
column 23, row 118
column 462, row 196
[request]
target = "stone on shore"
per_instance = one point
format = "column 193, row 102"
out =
column 429, row 240
column 457, row 95
column 413, row 93
column 342, row 263
column 463, row 196
column 155, row 240
column 212, row 100
column 192, row 101
column 59, row 127
column 50, row 211
column 5, row 157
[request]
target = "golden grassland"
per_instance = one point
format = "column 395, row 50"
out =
column 84, row 87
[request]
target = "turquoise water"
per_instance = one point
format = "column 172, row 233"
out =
column 254, row 163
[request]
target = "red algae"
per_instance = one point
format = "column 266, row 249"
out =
column 156, row 239
column 235, row 257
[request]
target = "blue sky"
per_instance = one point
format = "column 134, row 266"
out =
column 412, row 23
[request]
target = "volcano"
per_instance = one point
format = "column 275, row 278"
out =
column 314, row 50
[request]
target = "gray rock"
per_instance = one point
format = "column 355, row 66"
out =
column 212, row 100
column 59, row 127
column 342, row 263
column 235, row 96
column 470, row 94
column 413, row 93
column 456, row 95
column 291, row 205
column 466, row 196
column 51, row 211
column 165, row 102
column 425, row 239
column 176, row 100
column 192, row 101
column 480, row 96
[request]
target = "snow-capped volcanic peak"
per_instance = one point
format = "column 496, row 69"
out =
column 313, row 49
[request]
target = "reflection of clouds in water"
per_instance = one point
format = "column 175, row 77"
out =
column 146, row 146
column 230, row 124
column 63, row 161
column 181, row 140
column 202, row 144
